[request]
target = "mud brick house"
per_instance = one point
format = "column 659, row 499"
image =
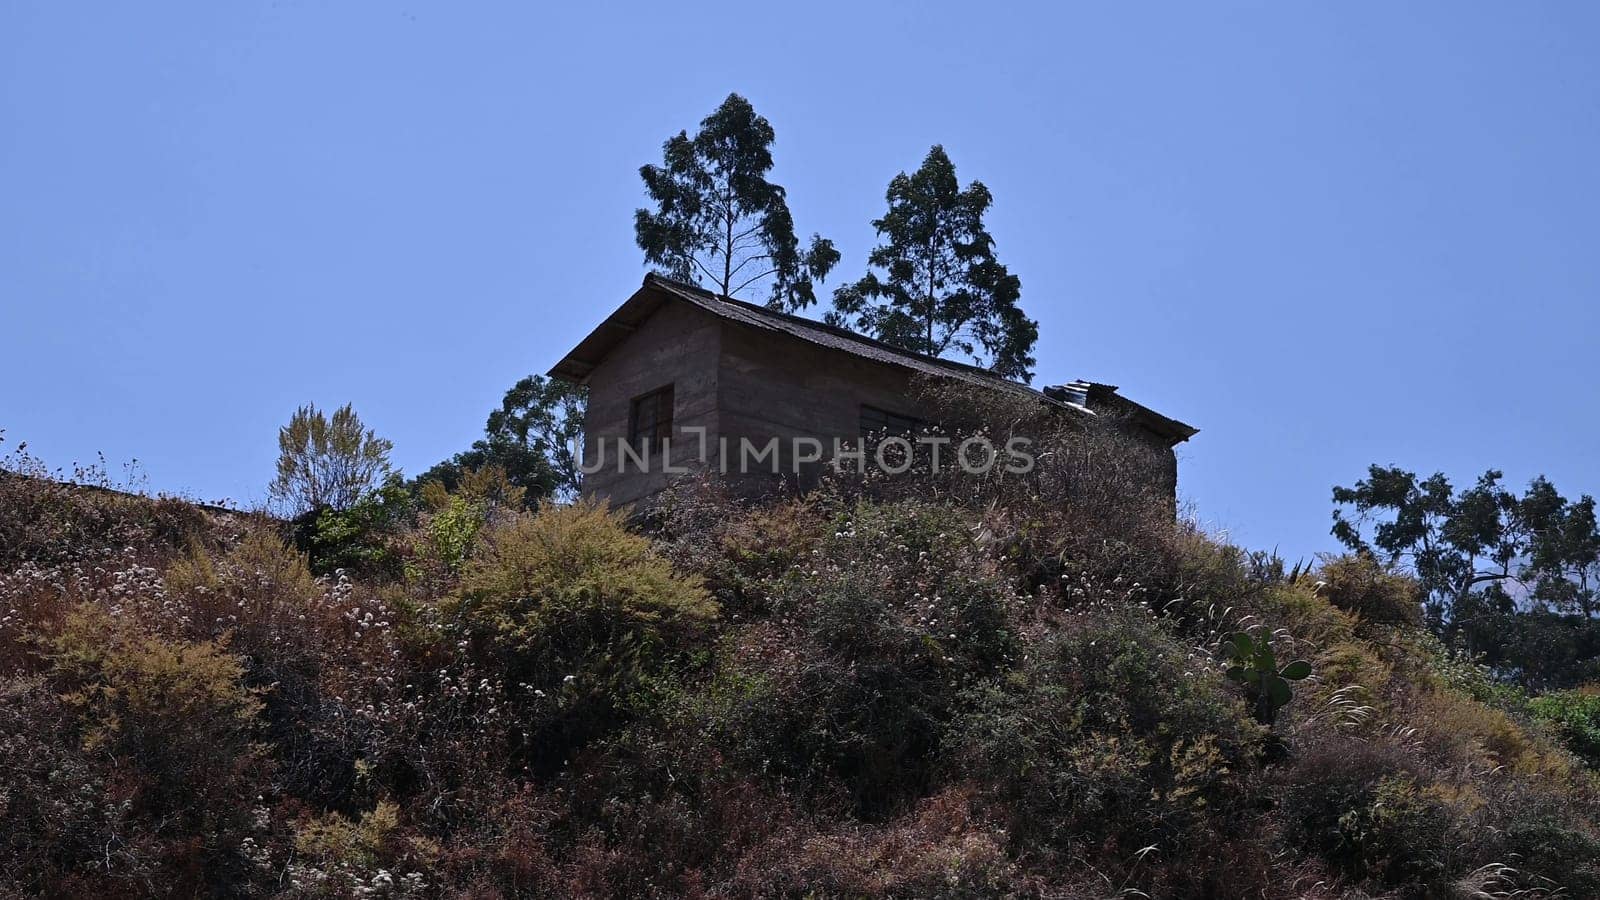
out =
column 679, row 363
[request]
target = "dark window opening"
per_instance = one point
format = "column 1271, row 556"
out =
column 650, row 420
column 882, row 423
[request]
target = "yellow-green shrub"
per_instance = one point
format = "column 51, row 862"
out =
column 1352, row 662
column 176, row 714
column 575, row 613
column 1296, row 607
column 336, row 839
column 253, row 579
column 1376, row 594
column 537, row 572
column 1485, row 737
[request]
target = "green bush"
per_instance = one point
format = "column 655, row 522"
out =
column 1112, row 731
column 359, row 539
column 573, row 612
column 1362, row 807
column 1575, row 717
column 446, row 539
column 896, row 609
column 447, row 531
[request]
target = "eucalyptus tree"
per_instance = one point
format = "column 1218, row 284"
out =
column 719, row 222
column 941, row 290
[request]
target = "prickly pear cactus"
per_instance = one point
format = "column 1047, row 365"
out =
column 1254, row 665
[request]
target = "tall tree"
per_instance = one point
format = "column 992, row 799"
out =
column 1454, row 542
column 327, row 461
column 719, row 222
column 531, row 436
column 942, row 290
column 1514, row 578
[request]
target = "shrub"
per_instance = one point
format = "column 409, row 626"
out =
column 758, row 548
column 1459, row 731
column 261, row 595
column 1396, row 835
column 334, row 838
column 178, row 711
column 445, row 538
column 176, row 727
column 1296, row 608
column 1549, row 837
column 370, row 856
column 1113, row 734
column 574, row 611
column 448, row 530
column 321, row 649
column 538, row 573
column 360, row 538
column 58, row 815
column 896, row 611
column 941, row 849
column 1361, row 805
column 1575, row 717
column 260, row 569
column 1375, row 594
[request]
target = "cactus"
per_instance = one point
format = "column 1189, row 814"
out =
column 1256, row 667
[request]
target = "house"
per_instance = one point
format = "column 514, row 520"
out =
column 680, row 378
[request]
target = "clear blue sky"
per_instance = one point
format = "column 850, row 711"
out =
column 1327, row 234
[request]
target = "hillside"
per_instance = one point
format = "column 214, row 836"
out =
column 851, row 694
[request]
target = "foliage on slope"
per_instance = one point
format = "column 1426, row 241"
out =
column 841, row 695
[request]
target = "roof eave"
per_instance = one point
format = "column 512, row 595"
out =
column 580, row 362
column 590, row 352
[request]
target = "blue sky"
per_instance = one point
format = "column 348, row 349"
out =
column 1327, row 234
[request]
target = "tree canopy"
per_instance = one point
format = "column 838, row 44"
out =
column 718, row 221
column 941, row 290
column 1513, row 578
column 327, row 461
column 531, row 436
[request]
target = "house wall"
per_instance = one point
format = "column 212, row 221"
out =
column 678, row 345
column 1144, row 449
column 770, row 385
column 738, row 381
column 773, row 386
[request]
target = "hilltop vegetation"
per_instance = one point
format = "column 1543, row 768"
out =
column 877, row 691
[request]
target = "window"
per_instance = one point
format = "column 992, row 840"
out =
column 882, row 423
column 650, row 420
